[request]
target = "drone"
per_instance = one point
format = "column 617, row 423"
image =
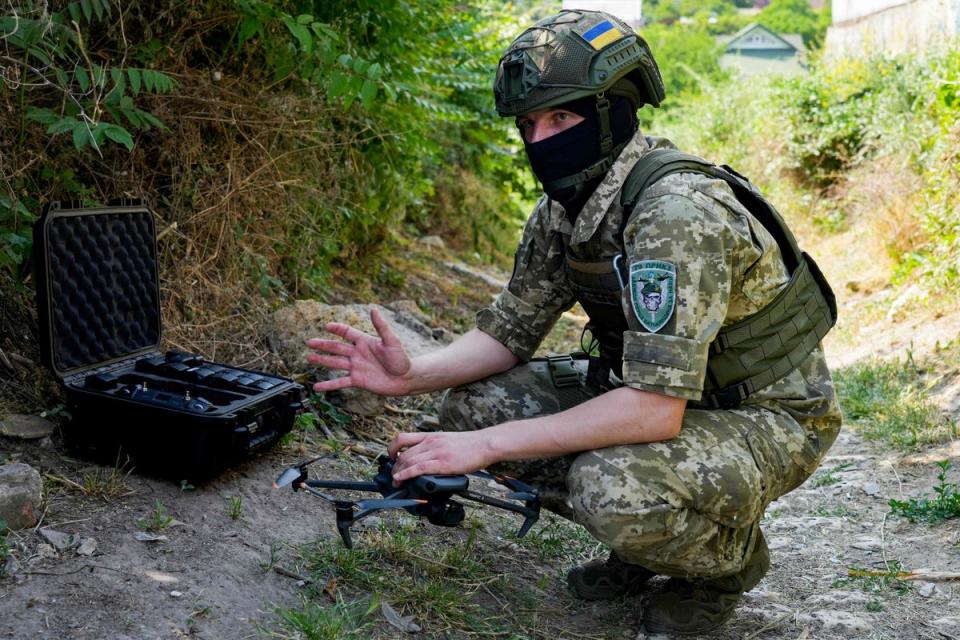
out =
column 427, row 496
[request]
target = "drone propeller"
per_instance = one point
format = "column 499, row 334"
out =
column 298, row 472
column 288, row 477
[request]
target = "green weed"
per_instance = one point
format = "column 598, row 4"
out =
column 235, row 507
column 944, row 506
column 888, row 401
column 158, row 521
column 829, row 477
column 877, row 582
column 822, row 511
column 340, row 621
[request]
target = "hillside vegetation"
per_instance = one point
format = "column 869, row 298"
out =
column 280, row 144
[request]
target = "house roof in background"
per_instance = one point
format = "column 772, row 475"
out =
column 737, row 42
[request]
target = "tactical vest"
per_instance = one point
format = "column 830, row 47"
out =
column 745, row 356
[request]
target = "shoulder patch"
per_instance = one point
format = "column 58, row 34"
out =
column 653, row 286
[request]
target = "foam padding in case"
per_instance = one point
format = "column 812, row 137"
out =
column 102, row 285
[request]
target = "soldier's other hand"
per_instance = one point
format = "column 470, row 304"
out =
column 439, row 452
column 376, row 363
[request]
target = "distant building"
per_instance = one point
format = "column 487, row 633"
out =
column 861, row 27
column 630, row 11
column 757, row 50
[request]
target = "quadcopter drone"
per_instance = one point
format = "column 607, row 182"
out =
column 428, row 496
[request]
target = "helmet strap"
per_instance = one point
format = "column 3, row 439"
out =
column 603, row 111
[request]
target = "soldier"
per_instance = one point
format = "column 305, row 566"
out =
column 707, row 395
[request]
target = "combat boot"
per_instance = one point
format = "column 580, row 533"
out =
column 690, row 607
column 607, row 579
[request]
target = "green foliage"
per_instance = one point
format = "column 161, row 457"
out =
column 689, row 60
column 878, row 582
column 235, row 507
column 944, row 506
column 62, row 86
column 339, row 621
column 829, row 477
column 158, row 520
column 888, row 400
column 795, row 16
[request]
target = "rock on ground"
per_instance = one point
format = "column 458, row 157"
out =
column 26, row 427
column 20, row 495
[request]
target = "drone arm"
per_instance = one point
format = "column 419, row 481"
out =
column 342, row 484
column 530, row 509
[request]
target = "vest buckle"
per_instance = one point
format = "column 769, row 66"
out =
column 727, row 398
column 563, row 372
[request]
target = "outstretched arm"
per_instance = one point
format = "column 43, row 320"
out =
column 621, row 416
column 380, row 364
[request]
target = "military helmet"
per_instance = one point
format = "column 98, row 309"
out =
column 572, row 55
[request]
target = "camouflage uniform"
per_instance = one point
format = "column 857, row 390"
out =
column 689, row 506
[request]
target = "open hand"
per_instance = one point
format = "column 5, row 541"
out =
column 375, row 363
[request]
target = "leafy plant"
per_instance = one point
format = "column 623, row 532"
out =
column 879, row 582
column 158, row 521
column 829, row 477
column 944, row 506
column 62, row 85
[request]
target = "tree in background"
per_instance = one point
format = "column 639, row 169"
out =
column 796, row 16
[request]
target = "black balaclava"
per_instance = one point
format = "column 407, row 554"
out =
column 575, row 149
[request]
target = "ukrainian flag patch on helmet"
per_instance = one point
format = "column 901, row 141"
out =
column 602, row 34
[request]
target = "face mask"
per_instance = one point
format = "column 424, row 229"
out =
column 577, row 148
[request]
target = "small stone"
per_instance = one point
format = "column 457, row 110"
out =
column 371, row 522
column 433, row 241
column 11, row 566
column 779, row 543
column 26, row 427
column 932, row 590
column 838, row 621
column 872, row 489
column 143, row 536
column 60, row 540
column 949, row 624
column 87, row 547
column 866, row 543
column 20, row 495
column 176, row 594
column 46, row 551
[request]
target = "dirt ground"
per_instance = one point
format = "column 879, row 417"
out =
column 215, row 574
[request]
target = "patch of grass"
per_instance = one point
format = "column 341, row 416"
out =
column 877, row 582
column 442, row 581
column 554, row 538
column 829, row 477
column 944, row 506
column 822, row 511
column 235, row 507
column 105, row 483
column 339, row 621
column 888, row 401
column 158, row 521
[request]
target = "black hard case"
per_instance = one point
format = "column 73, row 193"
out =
column 172, row 414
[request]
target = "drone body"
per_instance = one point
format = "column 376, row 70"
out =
column 428, row 496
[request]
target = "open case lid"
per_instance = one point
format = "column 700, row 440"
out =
column 98, row 291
